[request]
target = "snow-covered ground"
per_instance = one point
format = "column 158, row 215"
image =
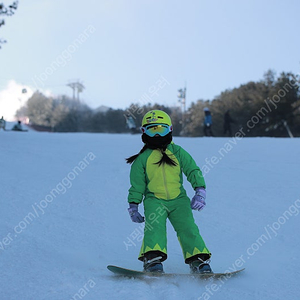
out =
column 63, row 218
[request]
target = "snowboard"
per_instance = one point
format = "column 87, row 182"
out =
column 133, row 273
column 23, row 130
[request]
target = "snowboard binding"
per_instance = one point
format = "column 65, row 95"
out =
column 153, row 265
column 200, row 266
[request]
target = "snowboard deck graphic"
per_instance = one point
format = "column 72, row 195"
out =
column 133, row 273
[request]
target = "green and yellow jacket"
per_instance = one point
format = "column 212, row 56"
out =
column 149, row 179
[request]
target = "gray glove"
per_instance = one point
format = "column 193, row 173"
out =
column 134, row 214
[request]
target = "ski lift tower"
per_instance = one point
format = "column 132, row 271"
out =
column 76, row 86
column 182, row 100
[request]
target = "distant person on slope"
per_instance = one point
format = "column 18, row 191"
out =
column 156, row 179
column 17, row 127
column 131, row 124
column 227, row 123
column 2, row 123
column 207, row 122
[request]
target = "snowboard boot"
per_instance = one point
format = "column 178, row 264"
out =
column 153, row 265
column 199, row 266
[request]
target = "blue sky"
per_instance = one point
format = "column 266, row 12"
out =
column 120, row 50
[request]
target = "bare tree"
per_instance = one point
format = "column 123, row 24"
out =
column 7, row 11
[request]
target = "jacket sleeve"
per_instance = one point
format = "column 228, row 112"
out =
column 137, row 181
column 191, row 170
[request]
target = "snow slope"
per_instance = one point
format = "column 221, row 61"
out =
column 63, row 218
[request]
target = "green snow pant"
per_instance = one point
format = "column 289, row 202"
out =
column 179, row 212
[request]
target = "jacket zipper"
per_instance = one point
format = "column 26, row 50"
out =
column 165, row 182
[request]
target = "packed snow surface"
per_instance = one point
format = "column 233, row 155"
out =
column 63, row 218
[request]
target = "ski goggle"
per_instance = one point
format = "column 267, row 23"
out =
column 154, row 129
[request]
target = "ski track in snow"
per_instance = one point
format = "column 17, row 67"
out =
column 60, row 249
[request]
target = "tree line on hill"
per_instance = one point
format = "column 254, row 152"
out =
column 269, row 107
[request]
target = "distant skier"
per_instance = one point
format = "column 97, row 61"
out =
column 207, row 122
column 156, row 179
column 131, row 124
column 2, row 123
column 227, row 123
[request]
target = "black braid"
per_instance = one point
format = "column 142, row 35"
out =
column 166, row 159
column 132, row 158
column 159, row 143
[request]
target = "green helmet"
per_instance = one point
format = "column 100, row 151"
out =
column 156, row 116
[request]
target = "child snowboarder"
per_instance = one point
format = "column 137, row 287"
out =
column 156, row 176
